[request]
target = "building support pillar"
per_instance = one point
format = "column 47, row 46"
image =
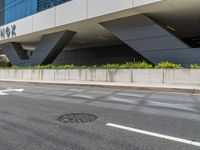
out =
column 152, row 41
column 46, row 51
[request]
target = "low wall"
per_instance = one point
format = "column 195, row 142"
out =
column 161, row 76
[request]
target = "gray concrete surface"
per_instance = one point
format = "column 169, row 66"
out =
column 28, row 118
column 139, row 76
column 179, row 88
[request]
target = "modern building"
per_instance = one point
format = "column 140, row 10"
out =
column 88, row 32
column 2, row 12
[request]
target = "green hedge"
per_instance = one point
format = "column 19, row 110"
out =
column 127, row 65
column 168, row 65
column 195, row 66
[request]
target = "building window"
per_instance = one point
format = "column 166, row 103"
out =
column 12, row 10
column 45, row 4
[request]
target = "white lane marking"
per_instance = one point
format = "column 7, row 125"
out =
column 171, row 138
column 5, row 92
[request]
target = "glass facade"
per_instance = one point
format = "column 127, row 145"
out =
column 12, row 10
column 17, row 9
column 2, row 15
column 45, row 4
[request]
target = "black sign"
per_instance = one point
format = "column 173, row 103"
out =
column 8, row 32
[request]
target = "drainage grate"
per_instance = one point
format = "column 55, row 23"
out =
column 77, row 118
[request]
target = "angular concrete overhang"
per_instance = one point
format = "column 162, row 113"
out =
column 83, row 17
column 180, row 15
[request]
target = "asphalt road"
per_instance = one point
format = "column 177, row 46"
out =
column 28, row 119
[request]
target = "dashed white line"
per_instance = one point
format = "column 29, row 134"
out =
column 171, row 138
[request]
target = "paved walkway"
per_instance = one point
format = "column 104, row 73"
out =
column 180, row 88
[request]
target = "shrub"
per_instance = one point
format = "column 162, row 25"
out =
column 50, row 66
column 15, row 67
column 111, row 66
column 66, row 67
column 168, row 65
column 4, row 61
column 138, row 65
column 129, row 65
column 87, row 67
column 195, row 66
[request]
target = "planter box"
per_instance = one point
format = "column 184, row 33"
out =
column 144, row 76
column 119, row 75
column 148, row 75
column 182, row 76
column 96, row 74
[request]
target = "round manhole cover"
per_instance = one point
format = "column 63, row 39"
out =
column 77, row 118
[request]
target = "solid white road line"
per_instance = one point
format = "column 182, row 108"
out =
column 154, row 134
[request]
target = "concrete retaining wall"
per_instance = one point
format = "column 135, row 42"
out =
column 160, row 76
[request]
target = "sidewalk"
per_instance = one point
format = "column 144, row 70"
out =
column 180, row 88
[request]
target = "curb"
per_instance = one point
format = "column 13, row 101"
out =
column 164, row 88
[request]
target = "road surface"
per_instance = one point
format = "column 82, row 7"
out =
column 126, row 119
